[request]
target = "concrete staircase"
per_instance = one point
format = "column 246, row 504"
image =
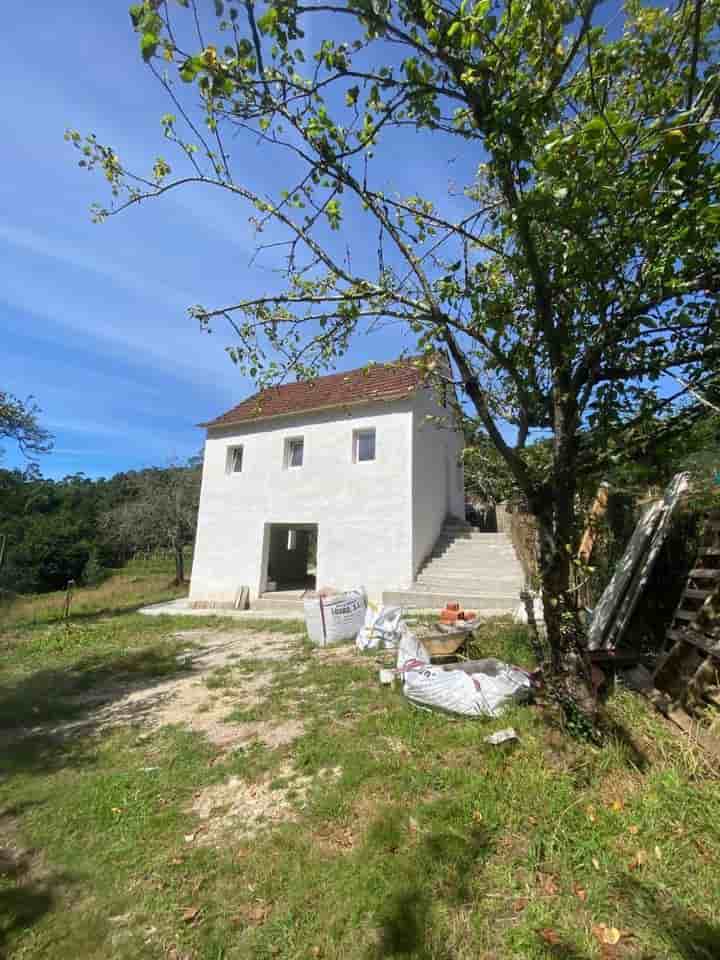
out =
column 479, row 570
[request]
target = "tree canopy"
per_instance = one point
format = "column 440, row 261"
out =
column 19, row 422
column 571, row 274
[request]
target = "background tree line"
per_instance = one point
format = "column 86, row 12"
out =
column 76, row 528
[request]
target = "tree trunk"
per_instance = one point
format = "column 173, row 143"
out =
column 569, row 672
column 179, row 563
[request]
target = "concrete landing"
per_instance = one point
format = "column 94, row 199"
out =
column 182, row 608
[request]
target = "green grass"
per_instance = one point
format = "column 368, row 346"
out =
column 423, row 843
column 138, row 583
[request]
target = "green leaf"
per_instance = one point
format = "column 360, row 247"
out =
column 148, row 46
column 268, row 21
column 594, row 129
column 188, row 71
column 136, row 12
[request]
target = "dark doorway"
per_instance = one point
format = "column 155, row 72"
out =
column 292, row 556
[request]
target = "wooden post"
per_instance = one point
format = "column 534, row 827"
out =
column 597, row 512
column 68, row 597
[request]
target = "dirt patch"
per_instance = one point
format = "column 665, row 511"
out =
column 343, row 653
column 218, row 649
column 185, row 700
column 247, row 808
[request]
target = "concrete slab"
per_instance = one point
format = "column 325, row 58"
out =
column 182, row 608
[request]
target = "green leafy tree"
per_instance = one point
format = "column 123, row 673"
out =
column 577, row 265
column 19, row 422
column 160, row 512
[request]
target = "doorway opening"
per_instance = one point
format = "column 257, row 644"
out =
column 292, row 557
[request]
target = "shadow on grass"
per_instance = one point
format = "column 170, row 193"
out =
column 63, row 694
column 27, row 892
column 44, row 716
column 450, row 860
column 691, row 935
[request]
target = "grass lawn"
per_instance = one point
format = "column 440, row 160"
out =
column 137, row 583
column 339, row 822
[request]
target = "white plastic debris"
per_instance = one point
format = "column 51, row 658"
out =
column 386, row 677
column 381, row 630
column 330, row 619
column 502, row 736
column 476, row 688
column 411, row 652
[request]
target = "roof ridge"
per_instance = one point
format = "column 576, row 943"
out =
column 375, row 380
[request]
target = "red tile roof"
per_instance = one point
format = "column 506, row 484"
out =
column 378, row 381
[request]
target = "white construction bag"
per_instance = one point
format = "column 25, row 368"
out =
column 477, row 688
column 335, row 618
column 381, row 629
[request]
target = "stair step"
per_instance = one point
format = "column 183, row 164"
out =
column 425, row 600
column 493, row 584
column 472, row 570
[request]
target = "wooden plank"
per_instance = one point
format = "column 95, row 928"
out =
column 700, row 640
column 697, row 594
column 687, row 615
column 695, row 732
column 676, row 489
column 597, row 512
column 608, row 606
column 704, row 574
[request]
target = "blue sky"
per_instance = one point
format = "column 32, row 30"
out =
column 94, row 317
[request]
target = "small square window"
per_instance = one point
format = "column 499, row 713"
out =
column 234, row 462
column 292, row 540
column 294, row 449
column 363, row 445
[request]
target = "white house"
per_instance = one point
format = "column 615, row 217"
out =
column 340, row 482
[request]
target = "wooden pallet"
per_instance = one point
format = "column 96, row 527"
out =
column 701, row 581
column 691, row 665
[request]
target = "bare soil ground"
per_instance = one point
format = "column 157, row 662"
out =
column 189, row 699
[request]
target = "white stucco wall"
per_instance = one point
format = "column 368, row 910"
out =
column 437, row 473
column 363, row 510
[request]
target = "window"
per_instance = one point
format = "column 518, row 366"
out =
column 363, row 445
column 294, row 452
column 234, row 460
column 292, row 540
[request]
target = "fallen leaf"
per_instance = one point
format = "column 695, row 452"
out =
column 477, row 816
column 520, row 904
column 190, row 914
column 580, row 893
column 591, row 814
column 550, row 936
column 596, row 863
column 316, row 952
column 606, row 934
column 658, row 853
column 176, row 861
column 616, row 805
column 549, row 887
column 189, row 837
column 532, row 821
column 117, row 810
column 634, row 829
column 639, row 860
column 413, row 826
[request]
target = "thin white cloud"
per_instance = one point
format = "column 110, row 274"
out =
column 53, row 248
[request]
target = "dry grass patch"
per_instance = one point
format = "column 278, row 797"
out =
column 244, row 808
